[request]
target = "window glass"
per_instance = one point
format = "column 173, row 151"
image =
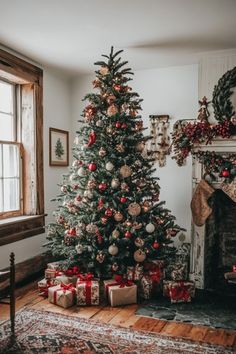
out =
column 6, row 97
column 6, row 127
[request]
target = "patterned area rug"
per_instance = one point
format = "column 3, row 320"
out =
column 47, row 332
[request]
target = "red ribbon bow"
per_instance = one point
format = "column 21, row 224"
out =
column 72, row 271
column 87, row 279
column 122, row 282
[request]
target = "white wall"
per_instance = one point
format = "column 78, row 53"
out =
column 173, row 91
column 57, row 114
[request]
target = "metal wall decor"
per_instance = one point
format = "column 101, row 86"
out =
column 160, row 142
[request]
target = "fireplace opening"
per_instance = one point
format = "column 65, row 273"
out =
column 220, row 243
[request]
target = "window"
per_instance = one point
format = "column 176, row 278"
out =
column 21, row 149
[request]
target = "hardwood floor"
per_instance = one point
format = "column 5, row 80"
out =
column 122, row 316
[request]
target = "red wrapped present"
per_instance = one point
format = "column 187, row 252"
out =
column 44, row 285
column 62, row 295
column 234, row 268
column 87, row 290
column 120, row 291
column 179, row 291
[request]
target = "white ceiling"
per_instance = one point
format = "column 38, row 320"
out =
column 71, row 35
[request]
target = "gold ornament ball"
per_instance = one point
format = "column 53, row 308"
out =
column 115, row 183
column 134, row 209
column 115, row 233
column 139, row 242
column 113, row 250
column 118, row 216
column 112, row 110
column 100, row 257
column 140, row 146
column 120, row 148
column 125, row 171
column 139, row 256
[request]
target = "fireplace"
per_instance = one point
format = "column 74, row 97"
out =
column 214, row 244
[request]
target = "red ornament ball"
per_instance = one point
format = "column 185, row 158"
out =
column 118, row 125
column 72, row 232
column 123, row 199
column 102, row 186
column 128, row 234
column 108, row 212
column 92, row 166
column 124, row 126
column 225, row 173
column 104, row 220
column 156, row 245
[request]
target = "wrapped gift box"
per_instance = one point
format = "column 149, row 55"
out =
column 62, row 295
column 87, row 290
column 50, row 273
column 154, row 265
column 55, row 265
column 120, row 292
column 150, row 284
column 183, row 253
column 135, row 273
column 176, row 271
column 179, row 291
column 44, row 285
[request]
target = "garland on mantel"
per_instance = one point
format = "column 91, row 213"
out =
column 186, row 136
column 223, row 165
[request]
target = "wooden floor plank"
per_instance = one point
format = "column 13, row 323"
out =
column 145, row 324
column 106, row 314
column 159, row 326
column 198, row 332
column 178, row 330
column 214, row 336
column 121, row 317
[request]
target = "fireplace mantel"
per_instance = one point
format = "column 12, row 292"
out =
column 198, row 234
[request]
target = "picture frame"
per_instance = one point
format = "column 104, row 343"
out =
column 58, row 147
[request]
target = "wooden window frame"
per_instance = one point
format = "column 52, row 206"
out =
column 16, row 70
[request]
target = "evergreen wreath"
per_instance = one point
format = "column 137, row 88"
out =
column 223, row 108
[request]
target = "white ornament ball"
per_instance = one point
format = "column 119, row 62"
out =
column 113, row 250
column 79, row 249
column 81, row 172
column 139, row 256
column 99, row 123
column 150, row 228
column 88, row 194
column 115, row 183
column 115, row 233
column 109, row 166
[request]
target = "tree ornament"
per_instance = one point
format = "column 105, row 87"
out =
column 139, row 256
column 81, row 172
column 225, row 173
column 203, row 110
column 79, row 249
column 133, row 113
column 118, row 125
column 128, row 223
column 124, row 187
column 150, row 228
column 92, row 166
column 146, row 206
column 104, row 220
column 104, row 70
column 134, row 209
column 115, row 233
column 123, row 199
column 115, row 183
column 109, row 166
column 64, row 189
column 155, row 245
column 108, row 212
column 112, row 110
column 117, row 87
column 102, row 152
column 139, row 242
column 114, row 267
column 92, row 139
column 100, row 203
column 113, row 249
column 120, row 148
column 110, row 130
column 140, row 146
column 137, row 226
column 89, row 112
column 99, row 123
column 91, row 228
column 100, row 257
column 91, row 184
column 125, row 171
column 77, row 200
column 102, row 186
column 97, row 83
column 124, row 126
column 88, row 194
column 118, row 216
column 128, row 234
column 111, row 99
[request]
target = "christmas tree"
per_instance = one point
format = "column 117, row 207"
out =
column 59, row 151
column 109, row 215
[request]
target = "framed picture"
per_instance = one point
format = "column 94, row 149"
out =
column 58, row 147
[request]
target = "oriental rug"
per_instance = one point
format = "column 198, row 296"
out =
column 47, row 332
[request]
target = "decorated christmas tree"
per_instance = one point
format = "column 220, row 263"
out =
column 109, row 215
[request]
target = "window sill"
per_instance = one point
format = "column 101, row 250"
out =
column 21, row 227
